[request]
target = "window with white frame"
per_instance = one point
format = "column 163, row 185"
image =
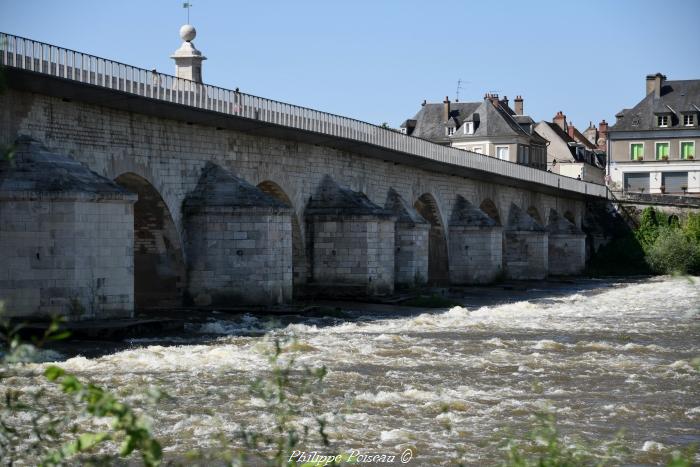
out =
column 450, row 130
column 688, row 120
column 503, row 153
column 662, row 151
column 469, row 128
column 637, row 151
column 662, row 120
column 687, row 150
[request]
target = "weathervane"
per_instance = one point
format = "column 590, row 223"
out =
column 187, row 5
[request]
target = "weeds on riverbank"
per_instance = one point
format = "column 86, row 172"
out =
column 282, row 393
column 661, row 244
column 50, row 418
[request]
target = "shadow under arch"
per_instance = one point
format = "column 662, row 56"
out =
column 490, row 209
column 159, row 266
column 299, row 268
column 438, row 266
column 535, row 214
column 569, row 216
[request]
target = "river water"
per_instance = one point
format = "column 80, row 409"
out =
column 602, row 356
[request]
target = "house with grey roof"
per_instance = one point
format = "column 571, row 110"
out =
column 652, row 145
column 488, row 127
column 569, row 153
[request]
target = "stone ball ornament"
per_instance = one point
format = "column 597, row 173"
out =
column 188, row 32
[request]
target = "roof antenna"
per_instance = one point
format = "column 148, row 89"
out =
column 187, row 5
column 460, row 86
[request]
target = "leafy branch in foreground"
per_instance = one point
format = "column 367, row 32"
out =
column 99, row 403
column 283, row 392
column 545, row 447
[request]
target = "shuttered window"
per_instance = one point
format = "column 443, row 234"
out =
column 675, row 182
column 637, row 151
column 687, row 150
column 638, row 182
column 661, row 151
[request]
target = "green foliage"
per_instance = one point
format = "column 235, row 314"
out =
column 661, row 244
column 545, row 447
column 673, row 253
column 100, row 403
column 684, row 458
column 283, row 392
column 47, row 423
column 691, row 228
column 648, row 230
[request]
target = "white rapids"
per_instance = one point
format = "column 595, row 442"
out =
column 616, row 359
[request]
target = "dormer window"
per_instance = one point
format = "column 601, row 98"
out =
column 469, row 128
column 450, row 130
column 662, row 120
column 688, row 120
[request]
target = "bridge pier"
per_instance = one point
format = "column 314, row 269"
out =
column 475, row 242
column 525, row 246
column 567, row 246
column 238, row 242
column 66, row 238
column 410, row 242
column 351, row 242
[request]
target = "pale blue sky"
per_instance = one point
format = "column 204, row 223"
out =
column 377, row 60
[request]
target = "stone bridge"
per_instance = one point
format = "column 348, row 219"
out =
column 134, row 189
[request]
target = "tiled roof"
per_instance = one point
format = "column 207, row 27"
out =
column 676, row 97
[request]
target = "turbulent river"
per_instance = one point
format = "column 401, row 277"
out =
column 602, row 356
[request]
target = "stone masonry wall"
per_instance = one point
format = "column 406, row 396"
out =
column 411, row 260
column 353, row 251
column 525, row 254
column 239, row 256
column 170, row 154
column 567, row 254
column 476, row 254
column 67, row 257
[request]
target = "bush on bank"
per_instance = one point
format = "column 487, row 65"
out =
column 661, row 244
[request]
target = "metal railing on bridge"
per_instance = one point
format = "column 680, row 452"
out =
column 19, row 52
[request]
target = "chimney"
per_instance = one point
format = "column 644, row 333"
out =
column 603, row 128
column 423, row 103
column 602, row 135
column 570, row 129
column 654, row 83
column 560, row 119
column 494, row 99
column 446, row 112
column 504, row 101
column 518, row 102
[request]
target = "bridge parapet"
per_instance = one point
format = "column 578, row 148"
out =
column 27, row 54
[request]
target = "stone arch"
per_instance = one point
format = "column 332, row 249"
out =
column 535, row 214
column 299, row 268
column 159, row 266
column 490, row 209
column 568, row 215
column 438, row 270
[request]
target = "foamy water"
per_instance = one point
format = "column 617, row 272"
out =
column 618, row 359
